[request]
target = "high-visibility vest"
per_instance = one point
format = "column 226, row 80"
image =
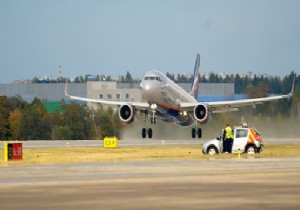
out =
column 228, row 134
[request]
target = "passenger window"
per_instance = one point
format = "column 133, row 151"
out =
column 241, row 133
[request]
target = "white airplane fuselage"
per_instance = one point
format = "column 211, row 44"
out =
column 165, row 95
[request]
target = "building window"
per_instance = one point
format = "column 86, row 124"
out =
column 109, row 96
column 118, row 97
column 100, row 96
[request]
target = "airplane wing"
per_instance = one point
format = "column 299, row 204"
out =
column 138, row 105
column 225, row 106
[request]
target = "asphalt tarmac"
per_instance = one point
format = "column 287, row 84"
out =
column 128, row 143
column 182, row 184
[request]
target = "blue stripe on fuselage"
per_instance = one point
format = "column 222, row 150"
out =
column 170, row 112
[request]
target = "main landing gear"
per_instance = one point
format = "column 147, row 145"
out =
column 196, row 132
column 146, row 132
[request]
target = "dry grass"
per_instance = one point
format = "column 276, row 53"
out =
column 81, row 155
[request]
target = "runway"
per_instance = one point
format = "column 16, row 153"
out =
column 180, row 184
column 142, row 142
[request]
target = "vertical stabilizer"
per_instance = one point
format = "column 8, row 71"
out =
column 196, row 80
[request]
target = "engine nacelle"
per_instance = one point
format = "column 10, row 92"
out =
column 202, row 113
column 126, row 113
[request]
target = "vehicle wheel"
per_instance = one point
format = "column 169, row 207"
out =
column 250, row 149
column 150, row 133
column 193, row 133
column 144, row 133
column 212, row 150
column 199, row 133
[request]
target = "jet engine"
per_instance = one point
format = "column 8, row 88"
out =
column 202, row 113
column 126, row 113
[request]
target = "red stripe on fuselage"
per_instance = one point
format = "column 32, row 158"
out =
column 176, row 108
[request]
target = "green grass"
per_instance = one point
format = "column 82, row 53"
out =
column 94, row 154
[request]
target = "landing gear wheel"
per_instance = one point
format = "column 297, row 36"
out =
column 199, row 133
column 150, row 133
column 193, row 133
column 144, row 133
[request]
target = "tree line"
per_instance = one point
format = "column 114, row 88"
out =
column 20, row 120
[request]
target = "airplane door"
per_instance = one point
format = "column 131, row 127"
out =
column 240, row 139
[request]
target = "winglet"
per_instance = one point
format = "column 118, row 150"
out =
column 292, row 90
column 293, row 87
column 66, row 88
column 194, row 90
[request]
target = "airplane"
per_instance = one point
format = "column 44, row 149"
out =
column 166, row 100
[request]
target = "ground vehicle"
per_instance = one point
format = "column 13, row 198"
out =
column 245, row 139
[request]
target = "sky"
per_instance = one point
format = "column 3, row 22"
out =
column 112, row 37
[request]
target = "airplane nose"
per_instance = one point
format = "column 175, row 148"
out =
column 145, row 88
column 145, row 85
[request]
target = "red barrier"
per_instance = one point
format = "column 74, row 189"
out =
column 13, row 151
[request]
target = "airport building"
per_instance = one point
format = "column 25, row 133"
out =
column 45, row 91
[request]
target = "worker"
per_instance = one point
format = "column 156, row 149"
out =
column 228, row 139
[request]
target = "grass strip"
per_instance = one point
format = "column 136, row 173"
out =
column 97, row 154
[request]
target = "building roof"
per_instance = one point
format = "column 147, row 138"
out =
column 54, row 107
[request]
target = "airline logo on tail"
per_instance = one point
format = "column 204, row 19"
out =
column 195, row 85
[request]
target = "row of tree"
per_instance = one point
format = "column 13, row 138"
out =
column 271, row 84
column 20, row 120
column 83, row 79
column 23, row 121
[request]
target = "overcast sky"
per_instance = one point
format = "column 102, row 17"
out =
column 113, row 37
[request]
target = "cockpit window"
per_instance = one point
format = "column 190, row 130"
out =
column 153, row 78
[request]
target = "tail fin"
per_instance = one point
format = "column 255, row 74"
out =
column 196, row 80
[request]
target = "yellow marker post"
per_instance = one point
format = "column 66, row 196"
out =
column 110, row 142
column 5, row 151
column 239, row 154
